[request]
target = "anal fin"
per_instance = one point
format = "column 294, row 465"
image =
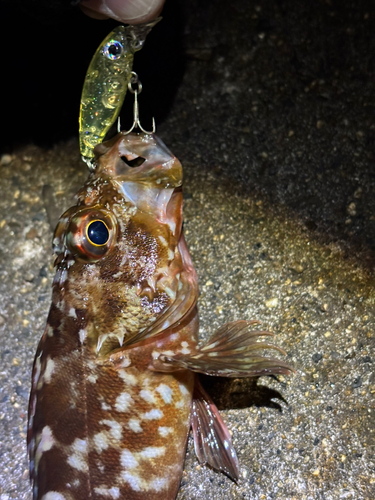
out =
column 233, row 351
column 212, row 441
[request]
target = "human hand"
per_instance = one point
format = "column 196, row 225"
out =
column 125, row 11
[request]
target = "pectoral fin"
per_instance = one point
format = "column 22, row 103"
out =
column 231, row 352
column 212, row 441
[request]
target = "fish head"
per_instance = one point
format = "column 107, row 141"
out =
column 117, row 250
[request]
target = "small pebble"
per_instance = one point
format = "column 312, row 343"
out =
column 297, row 267
column 351, row 210
column 5, row 160
column 316, row 357
column 272, row 302
column 357, row 382
column 33, row 233
column 319, row 124
column 358, row 193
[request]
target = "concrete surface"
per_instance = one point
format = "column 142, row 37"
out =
column 273, row 120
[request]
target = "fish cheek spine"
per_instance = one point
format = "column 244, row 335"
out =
column 114, row 386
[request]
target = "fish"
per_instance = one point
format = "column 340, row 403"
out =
column 115, row 381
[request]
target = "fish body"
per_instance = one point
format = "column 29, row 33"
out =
column 114, row 387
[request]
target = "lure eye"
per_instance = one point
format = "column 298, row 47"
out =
column 91, row 233
column 97, row 233
column 113, row 49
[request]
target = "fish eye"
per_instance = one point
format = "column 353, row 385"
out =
column 113, row 49
column 97, row 233
column 91, row 233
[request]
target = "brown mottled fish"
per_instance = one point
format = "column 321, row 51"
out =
column 114, row 386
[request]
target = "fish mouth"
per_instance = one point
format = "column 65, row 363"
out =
column 141, row 158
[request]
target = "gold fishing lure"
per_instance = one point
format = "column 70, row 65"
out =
column 106, row 82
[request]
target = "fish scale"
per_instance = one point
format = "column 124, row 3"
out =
column 114, row 385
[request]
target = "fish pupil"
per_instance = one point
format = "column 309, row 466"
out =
column 98, row 233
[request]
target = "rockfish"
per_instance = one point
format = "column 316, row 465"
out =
column 114, row 385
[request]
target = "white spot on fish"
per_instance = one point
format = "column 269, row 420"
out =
column 79, row 446
column 50, row 366
column 152, row 452
column 105, row 407
column 125, row 362
column 72, row 313
column 170, row 254
column 46, row 439
column 166, row 393
column 185, row 348
column 101, row 441
column 113, row 492
column 123, row 402
column 128, row 377
column 49, row 330
column 153, row 415
column 147, row 396
column 45, row 442
column 164, row 431
column 82, row 335
column 159, row 484
column 78, row 459
column 163, row 241
column 78, row 462
column 115, row 428
column 128, row 460
column 134, row 425
column 92, row 378
column 133, row 481
column 53, row 495
column 184, row 391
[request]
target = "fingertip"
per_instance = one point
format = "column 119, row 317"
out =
column 125, row 11
column 92, row 13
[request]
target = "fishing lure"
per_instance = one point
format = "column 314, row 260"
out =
column 114, row 385
column 106, row 82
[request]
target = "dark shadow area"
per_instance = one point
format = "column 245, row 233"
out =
column 236, row 393
column 46, row 49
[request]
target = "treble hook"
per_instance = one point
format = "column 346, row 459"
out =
column 134, row 80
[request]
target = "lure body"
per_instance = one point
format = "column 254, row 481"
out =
column 106, row 83
column 114, row 390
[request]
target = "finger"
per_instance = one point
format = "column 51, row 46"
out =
column 125, row 11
